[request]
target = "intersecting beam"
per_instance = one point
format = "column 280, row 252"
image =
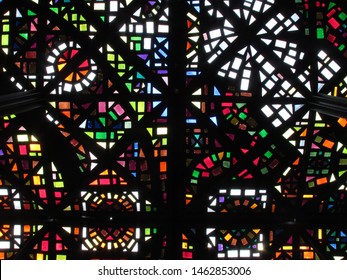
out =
column 20, row 102
column 329, row 105
column 268, row 221
column 176, row 121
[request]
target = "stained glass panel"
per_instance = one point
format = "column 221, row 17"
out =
column 187, row 129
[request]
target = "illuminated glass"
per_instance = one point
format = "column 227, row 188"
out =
column 188, row 129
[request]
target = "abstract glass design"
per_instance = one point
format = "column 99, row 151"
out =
column 186, row 129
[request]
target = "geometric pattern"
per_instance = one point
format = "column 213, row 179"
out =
column 173, row 130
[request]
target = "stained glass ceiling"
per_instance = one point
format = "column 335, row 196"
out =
column 186, row 129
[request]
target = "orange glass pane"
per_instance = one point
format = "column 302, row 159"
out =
column 27, row 228
column 308, row 255
column 94, row 183
column 328, row 144
column 342, row 122
column 69, row 78
column 84, row 72
column 162, row 166
column 64, row 105
column 15, row 168
column 304, row 133
column 10, row 146
column 322, row 181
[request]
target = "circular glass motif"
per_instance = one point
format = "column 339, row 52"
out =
column 76, row 71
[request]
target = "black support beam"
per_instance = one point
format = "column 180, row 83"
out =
column 20, row 102
column 329, row 105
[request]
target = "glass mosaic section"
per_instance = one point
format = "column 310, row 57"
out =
column 107, row 168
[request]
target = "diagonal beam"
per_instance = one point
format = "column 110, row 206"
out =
column 20, row 102
column 329, row 105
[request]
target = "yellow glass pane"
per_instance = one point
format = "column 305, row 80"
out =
column 69, row 78
column 227, row 237
column 35, row 147
column 61, row 66
column 36, row 180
